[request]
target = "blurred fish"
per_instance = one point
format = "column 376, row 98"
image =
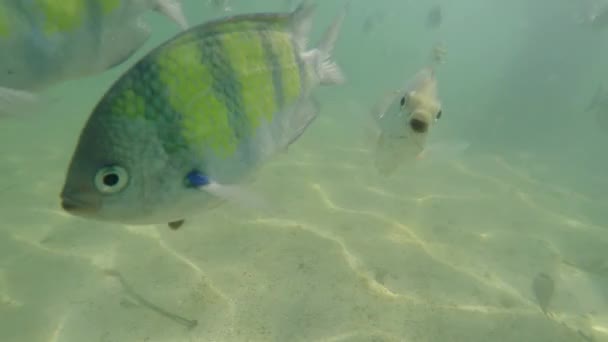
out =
column 597, row 17
column 46, row 42
column 404, row 118
column 599, row 106
column 222, row 5
column 438, row 54
column 543, row 288
column 197, row 116
column 371, row 21
column 434, row 18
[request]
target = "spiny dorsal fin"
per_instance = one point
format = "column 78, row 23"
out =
column 301, row 19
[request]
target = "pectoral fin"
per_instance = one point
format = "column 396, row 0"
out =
column 232, row 193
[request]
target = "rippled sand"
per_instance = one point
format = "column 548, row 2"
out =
column 437, row 253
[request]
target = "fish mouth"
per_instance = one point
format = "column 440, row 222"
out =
column 77, row 206
column 419, row 123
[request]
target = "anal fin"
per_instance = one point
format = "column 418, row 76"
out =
column 303, row 116
column 175, row 225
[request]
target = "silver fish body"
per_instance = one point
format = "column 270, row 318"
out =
column 404, row 119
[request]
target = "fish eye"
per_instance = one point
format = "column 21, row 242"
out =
column 439, row 114
column 418, row 126
column 111, row 179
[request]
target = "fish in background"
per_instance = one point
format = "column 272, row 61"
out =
column 222, row 5
column 595, row 15
column 194, row 119
column 434, row 17
column 599, row 106
column 404, row 119
column 46, row 42
column 372, row 20
column 227, row 5
column 543, row 287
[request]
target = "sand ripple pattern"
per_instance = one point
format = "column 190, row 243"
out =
column 437, row 254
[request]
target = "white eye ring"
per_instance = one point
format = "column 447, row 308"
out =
column 111, row 179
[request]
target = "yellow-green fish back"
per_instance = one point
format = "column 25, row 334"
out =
column 52, row 16
column 215, row 84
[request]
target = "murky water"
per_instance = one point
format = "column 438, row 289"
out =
column 447, row 249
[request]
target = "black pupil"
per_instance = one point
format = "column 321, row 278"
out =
column 110, row 179
column 403, row 101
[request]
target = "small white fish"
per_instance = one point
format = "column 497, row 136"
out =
column 404, row 119
column 48, row 42
column 222, row 5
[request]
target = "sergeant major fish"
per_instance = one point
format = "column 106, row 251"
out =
column 197, row 116
column 44, row 42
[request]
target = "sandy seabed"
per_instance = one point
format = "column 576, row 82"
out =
column 437, row 253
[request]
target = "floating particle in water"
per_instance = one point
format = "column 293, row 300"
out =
column 543, row 287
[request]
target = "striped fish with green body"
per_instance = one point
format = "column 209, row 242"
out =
column 44, row 42
column 197, row 116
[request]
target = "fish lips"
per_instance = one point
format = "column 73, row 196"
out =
column 80, row 205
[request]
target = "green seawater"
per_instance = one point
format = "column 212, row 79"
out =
column 443, row 250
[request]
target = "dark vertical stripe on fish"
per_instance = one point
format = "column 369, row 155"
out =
column 93, row 21
column 144, row 80
column 226, row 86
column 272, row 61
column 301, row 65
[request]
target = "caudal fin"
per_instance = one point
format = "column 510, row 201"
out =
column 328, row 71
column 15, row 102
